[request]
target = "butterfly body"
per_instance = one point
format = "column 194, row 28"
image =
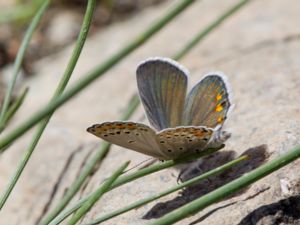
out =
column 182, row 124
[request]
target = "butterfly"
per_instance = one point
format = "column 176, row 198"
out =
column 181, row 123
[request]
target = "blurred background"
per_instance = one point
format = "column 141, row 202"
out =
column 59, row 27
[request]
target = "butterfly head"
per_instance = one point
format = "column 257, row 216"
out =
column 218, row 139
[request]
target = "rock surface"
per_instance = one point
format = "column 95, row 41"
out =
column 258, row 48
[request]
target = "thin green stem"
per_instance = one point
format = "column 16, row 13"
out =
column 13, row 109
column 94, row 74
column 207, row 30
column 100, row 153
column 19, row 59
column 20, row 13
column 98, row 194
column 167, row 164
column 224, row 191
column 65, row 78
column 168, row 191
column 130, row 177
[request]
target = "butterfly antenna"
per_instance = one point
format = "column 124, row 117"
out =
column 150, row 162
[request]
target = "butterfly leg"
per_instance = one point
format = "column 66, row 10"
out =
column 179, row 178
column 193, row 170
column 189, row 170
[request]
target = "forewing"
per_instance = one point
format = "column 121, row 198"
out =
column 208, row 102
column 162, row 85
column 181, row 141
column 134, row 136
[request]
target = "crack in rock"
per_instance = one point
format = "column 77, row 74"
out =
column 58, row 183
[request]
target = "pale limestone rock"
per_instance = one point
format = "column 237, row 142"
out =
column 258, row 48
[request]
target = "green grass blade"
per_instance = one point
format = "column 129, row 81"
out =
column 100, row 153
column 105, row 146
column 207, row 30
column 155, row 168
column 20, row 13
column 226, row 190
column 104, row 188
column 19, row 59
column 94, row 74
column 168, row 191
column 13, row 109
column 65, row 78
column 130, row 177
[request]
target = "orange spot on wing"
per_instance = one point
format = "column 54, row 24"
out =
column 218, row 97
column 220, row 119
column 120, row 126
column 219, row 108
column 131, row 126
column 199, row 134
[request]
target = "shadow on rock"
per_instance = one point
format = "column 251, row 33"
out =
column 286, row 211
column 258, row 155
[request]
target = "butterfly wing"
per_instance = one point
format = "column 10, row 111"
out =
column 208, row 102
column 162, row 85
column 134, row 136
column 180, row 141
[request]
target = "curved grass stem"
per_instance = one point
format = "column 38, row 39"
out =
column 224, row 191
column 131, row 177
column 13, row 109
column 64, row 80
column 19, row 59
column 98, row 194
column 168, row 191
column 86, row 171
